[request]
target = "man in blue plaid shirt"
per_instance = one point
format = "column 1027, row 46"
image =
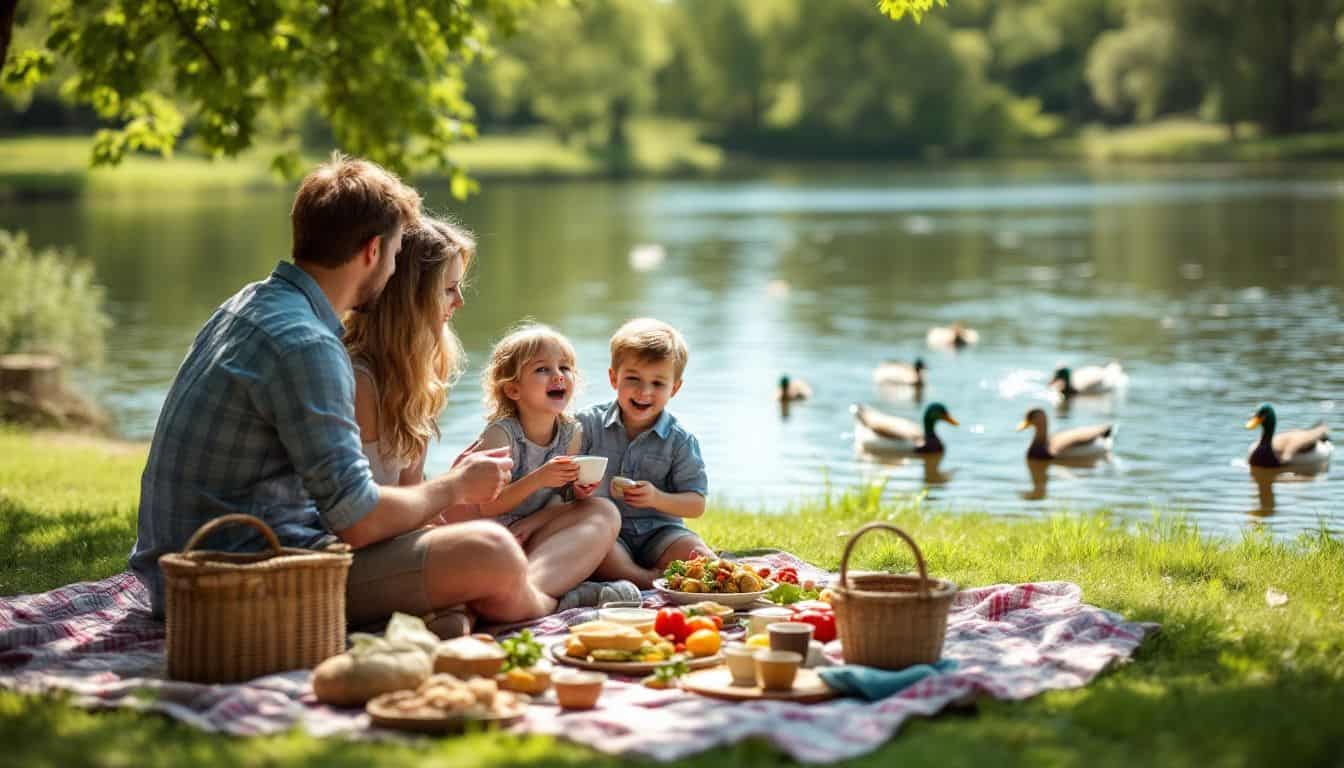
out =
column 260, row 420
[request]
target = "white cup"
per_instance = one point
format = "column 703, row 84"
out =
column 741, row 663
column 591, row 468
column 764, row 617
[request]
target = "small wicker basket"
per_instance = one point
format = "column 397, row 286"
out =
column 890, row 621
column 236, row 616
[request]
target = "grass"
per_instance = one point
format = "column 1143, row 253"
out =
column 1228, row 681
column 58, row 165
column 1186, row 139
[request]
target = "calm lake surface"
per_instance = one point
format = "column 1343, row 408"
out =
column 1216, row 288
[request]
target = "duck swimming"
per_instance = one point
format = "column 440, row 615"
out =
column 1089, row 380
column 791, row 390
column 897, row 373
column 1305, row 449
column 1079, row 443
column 954, row 336
column 878, row 433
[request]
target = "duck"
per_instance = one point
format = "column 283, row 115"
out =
column 1079, row 443
column 791, row 390
column 879, row 433
column 1089, row 380
column 896, row 373
column 1306, row 449
column 955, row 335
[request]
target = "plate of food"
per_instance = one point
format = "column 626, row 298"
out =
column 623, row 650
column 444, row 704
column 725, row 582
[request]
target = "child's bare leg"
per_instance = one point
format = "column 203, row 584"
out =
column 618, row 564
column 683, row 548
column 568, row 547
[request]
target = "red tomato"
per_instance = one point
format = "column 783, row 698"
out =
column 718, row 621
column 671, row 621
column 679, row 648
column 763, row 573
column 823, row 624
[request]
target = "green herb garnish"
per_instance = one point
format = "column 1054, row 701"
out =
column 521, row 650
column 671, row 670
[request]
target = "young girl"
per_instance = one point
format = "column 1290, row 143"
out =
column 529, row 383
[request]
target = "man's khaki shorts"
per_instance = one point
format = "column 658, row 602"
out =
column 386, row 577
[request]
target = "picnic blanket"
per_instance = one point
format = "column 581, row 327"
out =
column 96, row 642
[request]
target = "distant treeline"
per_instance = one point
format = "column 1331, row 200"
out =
column 832, row 78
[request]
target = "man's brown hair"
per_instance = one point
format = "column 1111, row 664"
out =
column 344, row 202
column 649, row 341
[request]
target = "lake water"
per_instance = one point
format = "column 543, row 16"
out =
column 1216, row 289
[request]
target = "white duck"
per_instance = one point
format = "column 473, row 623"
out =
column 953, row 336
column 894, row 373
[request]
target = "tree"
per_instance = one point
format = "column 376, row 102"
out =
column 385, row 74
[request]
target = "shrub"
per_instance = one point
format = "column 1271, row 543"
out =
column 49, row 303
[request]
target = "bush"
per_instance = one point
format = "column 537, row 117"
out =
column 49, row 303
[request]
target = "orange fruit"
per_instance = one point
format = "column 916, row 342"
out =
column 703, row 642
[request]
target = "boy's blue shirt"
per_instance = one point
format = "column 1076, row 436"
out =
column 666, row 454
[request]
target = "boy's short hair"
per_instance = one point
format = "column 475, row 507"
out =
column 344, row 202
column 650, row 341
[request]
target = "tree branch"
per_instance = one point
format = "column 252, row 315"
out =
column 7, row 8
column 191, row 35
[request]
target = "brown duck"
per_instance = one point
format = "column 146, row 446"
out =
column 1079, row 443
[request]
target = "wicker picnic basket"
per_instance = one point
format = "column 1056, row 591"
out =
column 235, row 616
column 890, row 621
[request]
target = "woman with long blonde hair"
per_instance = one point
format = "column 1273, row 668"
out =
column 405, row 353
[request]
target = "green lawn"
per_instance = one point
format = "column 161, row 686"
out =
column 1187, row 139
column 58, row 165
column 1229, row 680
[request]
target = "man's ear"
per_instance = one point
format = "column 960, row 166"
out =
column 676, row 388
column 611, row 375
column 371, row 250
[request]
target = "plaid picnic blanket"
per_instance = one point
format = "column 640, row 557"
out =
column 96, row 642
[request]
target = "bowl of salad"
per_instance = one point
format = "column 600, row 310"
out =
column 724, row 581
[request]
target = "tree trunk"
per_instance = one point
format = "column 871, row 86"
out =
column 37, row 377
column 1285, row 117
column 7, row 8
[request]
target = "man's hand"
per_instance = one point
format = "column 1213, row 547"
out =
column 643, row 495
column 558, row 472
column 480, row 476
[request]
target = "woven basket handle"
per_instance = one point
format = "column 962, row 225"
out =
column 854, row 539
column 223, row 520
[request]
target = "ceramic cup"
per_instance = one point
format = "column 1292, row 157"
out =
column 764, row 617
column 578, row 690
column 794, row 636
column 741, row 663
column 775, row 670
column 618, row 486
column 591, row 468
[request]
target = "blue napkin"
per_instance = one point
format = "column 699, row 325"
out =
column 873, row 684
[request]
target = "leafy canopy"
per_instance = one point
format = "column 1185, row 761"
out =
column 385, row 74
column 916, row 8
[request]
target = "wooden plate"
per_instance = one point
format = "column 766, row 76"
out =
column 389, row 717
column 808, row 687
column 730, row 599
column 628, row 668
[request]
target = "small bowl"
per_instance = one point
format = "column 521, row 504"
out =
column 792, row 636
column 629, row 615
column 764, row 617
column 741, row 663
column 591, row 468
column 483, row 659
column 776, row 670
column 578, row 690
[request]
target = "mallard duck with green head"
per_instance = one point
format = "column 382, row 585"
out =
column 1079, row 443
column 880, row 433
column 1305, row 449
column 792, row 390
column 1089, row 380
column 896, row 373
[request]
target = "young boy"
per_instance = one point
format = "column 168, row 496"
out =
column 644, row 443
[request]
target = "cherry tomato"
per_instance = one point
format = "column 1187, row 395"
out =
column 718, row 621
column 679, row 648
column 671, row 621
column 763, row 573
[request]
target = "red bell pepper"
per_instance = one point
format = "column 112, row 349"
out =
column 823, row 624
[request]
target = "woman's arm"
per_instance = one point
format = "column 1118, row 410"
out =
column 414, row 474
column 366, row 406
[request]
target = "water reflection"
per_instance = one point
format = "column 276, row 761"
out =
column 1265, row 479
column 1038, row 470
column 930, row 465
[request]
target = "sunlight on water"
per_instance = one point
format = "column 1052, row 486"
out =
column 1214, row 292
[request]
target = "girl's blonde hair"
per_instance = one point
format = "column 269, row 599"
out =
column 507, row 361
column 414, row 356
